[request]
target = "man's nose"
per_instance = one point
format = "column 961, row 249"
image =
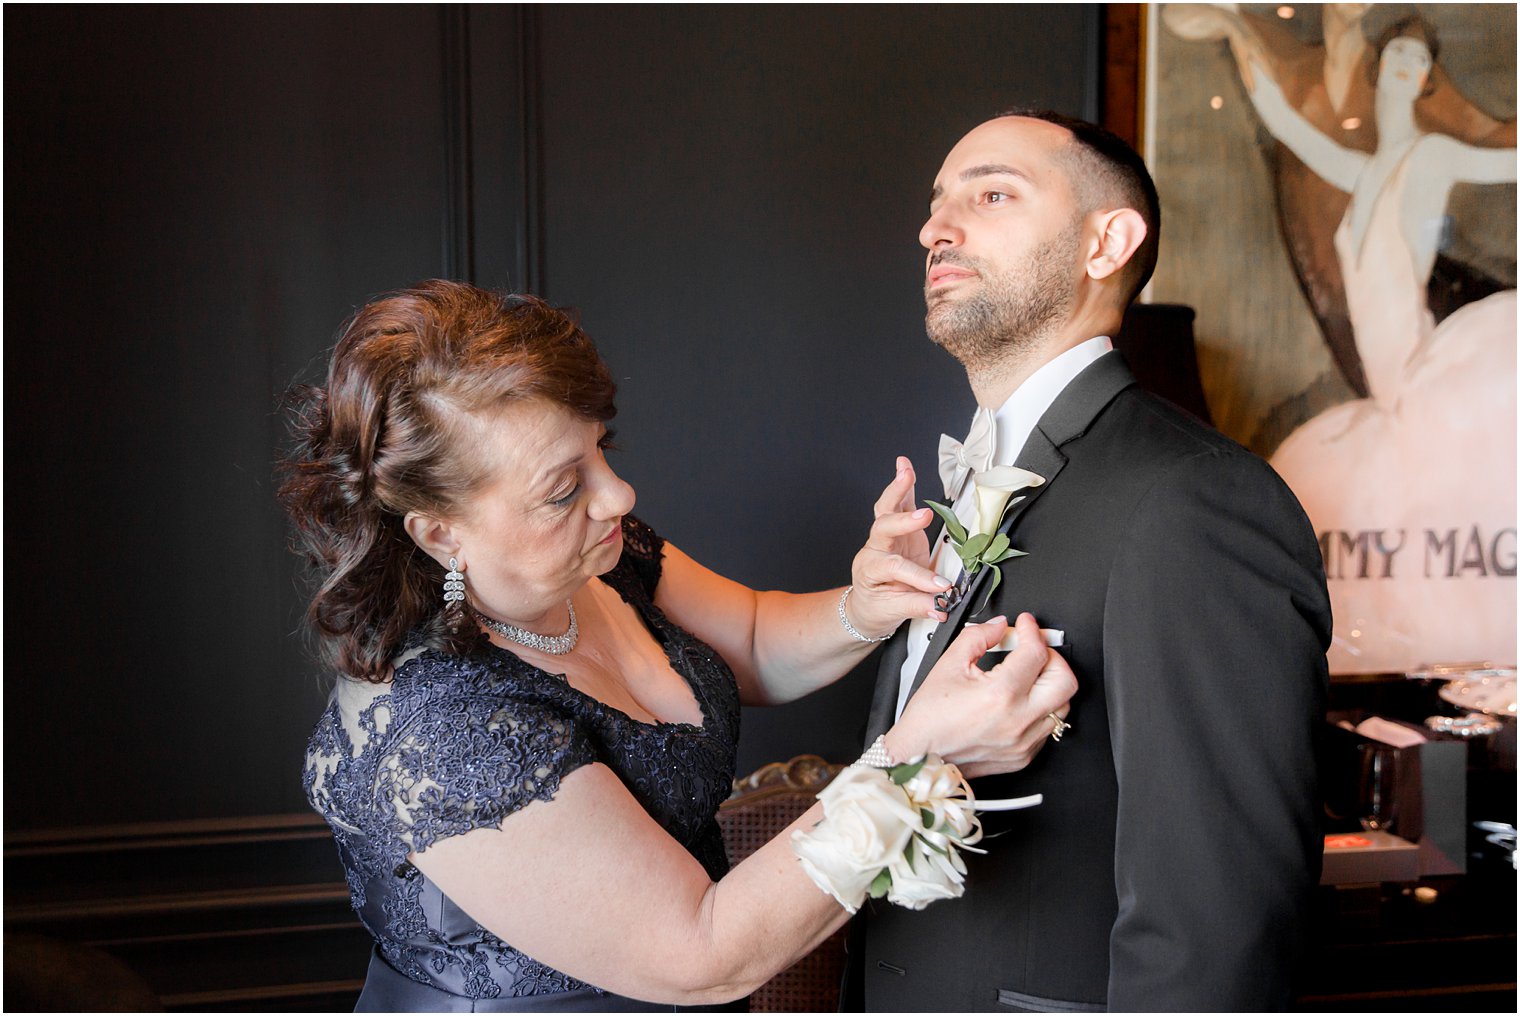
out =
column 940, row 231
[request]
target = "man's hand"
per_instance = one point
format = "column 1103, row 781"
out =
column 991, row 721
column 891, row 573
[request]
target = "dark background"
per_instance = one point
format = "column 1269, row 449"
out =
column 195, row 199
column 198, row 196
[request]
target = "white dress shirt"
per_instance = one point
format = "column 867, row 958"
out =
column 1015, row 421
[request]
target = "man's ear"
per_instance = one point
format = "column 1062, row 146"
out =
column 435, row 536
column 1119, row 234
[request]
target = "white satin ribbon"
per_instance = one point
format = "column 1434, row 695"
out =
column 1008, row 804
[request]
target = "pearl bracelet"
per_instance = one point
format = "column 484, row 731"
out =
column 844, row 619
column 876, row 756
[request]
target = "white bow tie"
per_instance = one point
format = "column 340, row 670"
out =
column 958, row 460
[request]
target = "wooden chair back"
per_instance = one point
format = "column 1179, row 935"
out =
column 762, row 804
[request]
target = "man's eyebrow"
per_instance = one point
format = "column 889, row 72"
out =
column 993, row 169
column 986, row 169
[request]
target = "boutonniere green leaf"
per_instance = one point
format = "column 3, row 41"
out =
column 994, row 496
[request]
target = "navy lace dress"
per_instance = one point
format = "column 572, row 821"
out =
column 457, row 743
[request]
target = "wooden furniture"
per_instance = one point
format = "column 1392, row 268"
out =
column 763, row 804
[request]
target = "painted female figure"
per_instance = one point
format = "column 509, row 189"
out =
column 1413, row 487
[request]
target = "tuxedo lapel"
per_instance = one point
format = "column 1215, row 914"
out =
column 1067, row 418
column 1041, row 457
column 888, row 681
column 1087, row 395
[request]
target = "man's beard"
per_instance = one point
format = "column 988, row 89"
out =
column 1013, row 309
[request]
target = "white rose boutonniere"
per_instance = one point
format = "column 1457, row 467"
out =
column 994, row 490
column 896, row 833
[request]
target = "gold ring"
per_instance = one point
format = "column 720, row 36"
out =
column 1061, row 727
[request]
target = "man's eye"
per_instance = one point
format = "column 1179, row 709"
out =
column 995, row 197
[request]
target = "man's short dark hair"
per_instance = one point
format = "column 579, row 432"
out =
column 1107, row 172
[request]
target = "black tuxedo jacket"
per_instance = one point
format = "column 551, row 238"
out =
column 1172, row 862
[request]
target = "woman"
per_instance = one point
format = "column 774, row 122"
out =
column 539, row 700
column 1395, row 222
column 1426, row 461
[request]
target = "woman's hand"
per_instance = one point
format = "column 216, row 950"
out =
column 783, row 646
column 892, row 578
column 991, row 721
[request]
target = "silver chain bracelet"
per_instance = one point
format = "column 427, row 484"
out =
column 844, row 619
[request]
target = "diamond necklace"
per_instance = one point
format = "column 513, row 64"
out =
column 554, row 645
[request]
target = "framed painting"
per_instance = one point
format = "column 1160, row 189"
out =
column 1338, row 188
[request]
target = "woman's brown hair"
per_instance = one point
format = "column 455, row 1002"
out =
column 1414, row 27
column 389, row 434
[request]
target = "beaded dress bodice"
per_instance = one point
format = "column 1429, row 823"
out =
column 455, row 743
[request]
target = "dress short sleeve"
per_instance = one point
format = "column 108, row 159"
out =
column 643, row 550
column 471, row 759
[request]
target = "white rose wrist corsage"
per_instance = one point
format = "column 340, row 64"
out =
column 895, row 832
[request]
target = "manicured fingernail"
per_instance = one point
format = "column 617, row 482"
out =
column 922, row 513
column 1000, row 617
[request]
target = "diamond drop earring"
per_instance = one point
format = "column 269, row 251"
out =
column 453, row 584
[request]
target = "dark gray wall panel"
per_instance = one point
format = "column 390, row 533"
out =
column 732, row 198
column 196, row 196
column 194, row 199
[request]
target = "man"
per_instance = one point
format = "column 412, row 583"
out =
column 1171, row 864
